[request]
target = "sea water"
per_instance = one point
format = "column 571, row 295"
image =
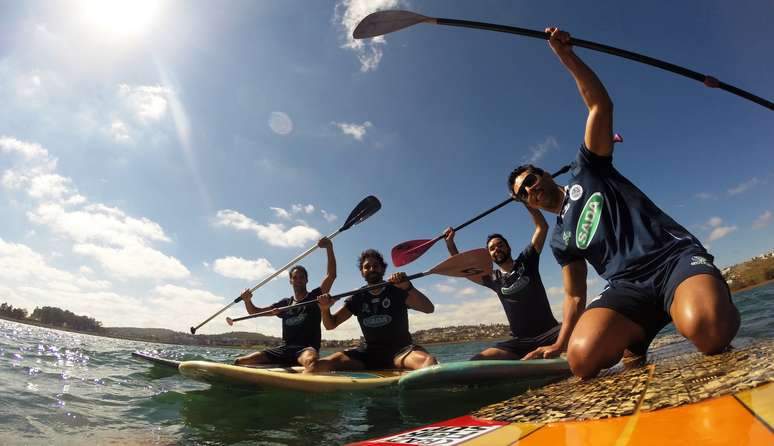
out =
column 66, row 388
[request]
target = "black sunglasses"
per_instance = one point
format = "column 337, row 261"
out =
column 529, row 181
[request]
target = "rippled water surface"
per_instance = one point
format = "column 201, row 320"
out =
column 65, row 388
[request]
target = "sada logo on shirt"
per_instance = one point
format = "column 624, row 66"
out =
column 377, row 320
column 589, row 220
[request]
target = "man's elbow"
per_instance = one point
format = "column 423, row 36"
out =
column 604, row 106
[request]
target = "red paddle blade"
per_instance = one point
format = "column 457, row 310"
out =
column 409, row 251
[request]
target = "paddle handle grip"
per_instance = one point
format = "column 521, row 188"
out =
column 707, row 80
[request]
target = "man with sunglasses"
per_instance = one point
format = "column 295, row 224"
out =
column 518, row 285
column 656, row 270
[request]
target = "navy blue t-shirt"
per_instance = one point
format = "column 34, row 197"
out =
column 608, row 221
column 523, row 296
column 301, row 325
column 382, row 317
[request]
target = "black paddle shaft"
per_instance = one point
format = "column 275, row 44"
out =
column 476, row 218
column 707, row 80
column 333, row 297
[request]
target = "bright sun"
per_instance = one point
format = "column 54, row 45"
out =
column 124, row 17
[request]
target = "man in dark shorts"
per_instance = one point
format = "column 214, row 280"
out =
column 656, row 270
column 300, row 326
column 383, row 318
column 521, row 292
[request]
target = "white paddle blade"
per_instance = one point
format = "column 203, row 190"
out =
column 384, row 22
column 473, row 263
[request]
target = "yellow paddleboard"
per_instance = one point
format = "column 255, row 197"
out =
column 289, row 378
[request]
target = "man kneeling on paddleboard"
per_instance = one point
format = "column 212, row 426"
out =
column 656, row 270
column 301, row 325
column 383, row 317
column 521, row 292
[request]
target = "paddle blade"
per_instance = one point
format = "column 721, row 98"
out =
column 366, row 208
column 383, row 22
column 409, row 251
column 473, row 263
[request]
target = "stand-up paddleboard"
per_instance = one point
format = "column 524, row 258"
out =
column 485, row 373
column 678, row 397
column 157, row 360
column 288, row 378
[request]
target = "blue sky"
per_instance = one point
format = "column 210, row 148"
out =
column 159, row 157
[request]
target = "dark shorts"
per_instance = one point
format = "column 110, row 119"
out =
column 379, row 359
column 522, row 346
column 286, row 354
column 647, row 302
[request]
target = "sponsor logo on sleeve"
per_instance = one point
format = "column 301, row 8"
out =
column 588, row 222
column 699, row 260
column 575, row 192
column 566, row 236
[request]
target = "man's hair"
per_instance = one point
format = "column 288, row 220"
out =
column 299, row 268
column 518, row 171
column 496, row 235
column 372, row 253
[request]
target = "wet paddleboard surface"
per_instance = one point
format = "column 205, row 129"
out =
column 678, row 397
column 483, row 373
column 289, row 378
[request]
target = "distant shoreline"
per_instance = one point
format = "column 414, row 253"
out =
column 341, row 344
column 749, row 287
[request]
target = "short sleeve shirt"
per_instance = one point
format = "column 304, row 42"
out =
column 301, row 325
column 608, row 221
column 382, row 317
column 523, row 296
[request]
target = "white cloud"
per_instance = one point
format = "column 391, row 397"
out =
column 146, row 103
column 274, row 234
column 239, row 268
column 720, row 232
column 280, row 123
column 98, row 223
column 119, row 131
column 762, row 220
column 49, row 186
column 134, row 262
column 540, row 150
column 348, row 14
column 284, row 214
column 305, row 208
column 468, row 291
column 744, row 186
column 703, row 196
column 121, row 243
column 444, row 288
column 330, row 218
column 281, row 213
column 26, row 149
column 22, row 265
column 357, row 131
column 714, row 222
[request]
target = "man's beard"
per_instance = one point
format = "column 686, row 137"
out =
column 502, row 258
column 374, row 278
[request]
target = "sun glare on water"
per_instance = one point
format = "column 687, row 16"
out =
column 121, row 17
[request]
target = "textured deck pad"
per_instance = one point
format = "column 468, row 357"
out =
column 674, row 374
